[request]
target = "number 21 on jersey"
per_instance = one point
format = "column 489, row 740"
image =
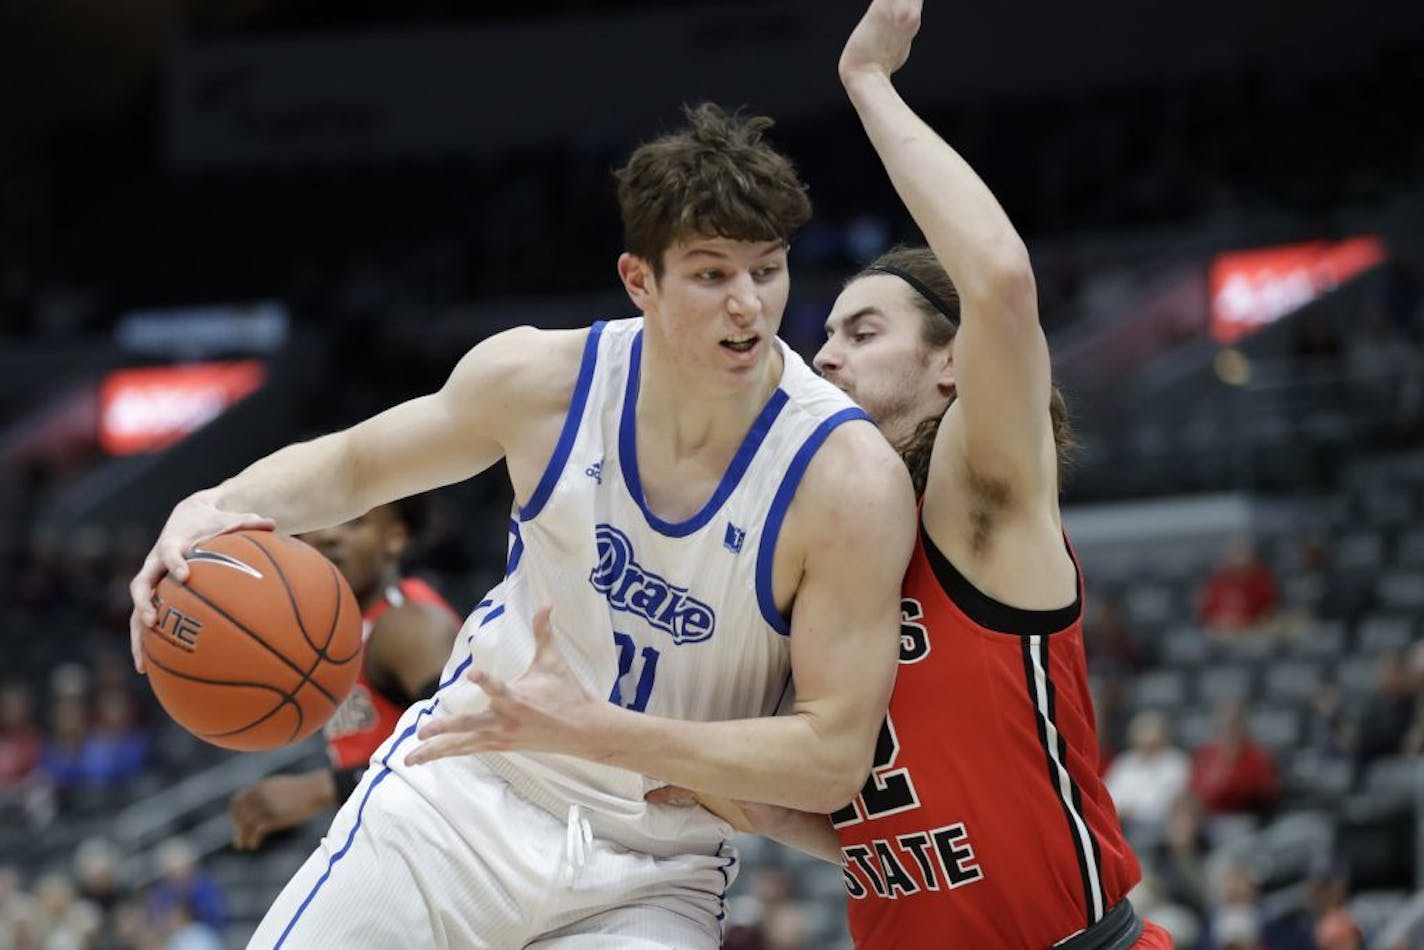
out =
column 632, row 691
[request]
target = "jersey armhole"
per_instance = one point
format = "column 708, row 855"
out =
column 776, row 514
column 565, row 445
column 995, row 615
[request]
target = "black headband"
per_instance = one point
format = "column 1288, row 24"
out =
column 920, row 288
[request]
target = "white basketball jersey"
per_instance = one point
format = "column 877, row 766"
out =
column 671, row 619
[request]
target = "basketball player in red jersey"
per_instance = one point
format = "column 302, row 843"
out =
column 984, row 822
column 409, row 633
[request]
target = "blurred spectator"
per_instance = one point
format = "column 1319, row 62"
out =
column 1325, row 923
column 1405, row 930
column 1233, row 773
column 1328, row 730
column 1388, row 713
column 16, row 906
column 1148, row 777
column 64, row 921
column 182, row 882
column 108, row 755
column 1179, row 861
column 186, row 933
column 788, row 927
column 62, row 757
column 766, row 915
column 96, row 867
column 1110, row 645
column 20, row 741
column 1414, row 740
column 1324, row 591
column 1236, row 920
column 1241, row 593
column 1384, row 369
column 116, row 749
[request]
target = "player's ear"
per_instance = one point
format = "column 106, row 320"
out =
column 397, row 537
column 944, row 368
column 638, row 280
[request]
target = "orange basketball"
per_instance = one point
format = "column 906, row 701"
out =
column 259, row 646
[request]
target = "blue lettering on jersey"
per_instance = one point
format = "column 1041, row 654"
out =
column 630, row 588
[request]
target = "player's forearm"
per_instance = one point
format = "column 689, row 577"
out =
column 302, row 487
column 808, row 832
column 960, row 217
column 782, row 760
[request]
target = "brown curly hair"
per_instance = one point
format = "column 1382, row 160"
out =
column 717, row 177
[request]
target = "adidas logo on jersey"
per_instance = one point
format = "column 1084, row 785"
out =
column 631, row 588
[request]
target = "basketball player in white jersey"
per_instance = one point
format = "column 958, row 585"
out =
column 695, row 504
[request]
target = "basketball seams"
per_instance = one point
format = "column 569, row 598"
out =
column 190, row 683
column 286, row 699
column 306, row 675
column 337, row 581
column 291, row 597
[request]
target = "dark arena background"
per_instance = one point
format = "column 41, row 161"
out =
column 225, row 226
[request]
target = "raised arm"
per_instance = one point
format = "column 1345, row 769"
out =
column 1001, row 361
column 854, row 526
column 418, row 445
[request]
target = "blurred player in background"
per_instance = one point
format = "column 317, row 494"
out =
column 409, row 630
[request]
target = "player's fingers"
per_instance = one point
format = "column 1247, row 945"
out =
column 443, row 747
column 170, row 552
column 672, row 795
column 543, row 629
column 252, row 521
column 141, row 587
column 492, row 686
column 136, row 628
column 466, row 722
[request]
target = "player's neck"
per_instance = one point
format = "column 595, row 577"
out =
column 691, row 419
column 377, row 592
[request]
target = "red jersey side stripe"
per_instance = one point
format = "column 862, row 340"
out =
column 1040, row 692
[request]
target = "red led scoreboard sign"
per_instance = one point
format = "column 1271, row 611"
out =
column 144, row 410
column 1250, row 289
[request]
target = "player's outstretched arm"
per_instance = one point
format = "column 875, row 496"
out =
column 855, row 521
column 413, row 447
column 1002, row 373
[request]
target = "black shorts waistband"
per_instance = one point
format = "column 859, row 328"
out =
column 1119, row 929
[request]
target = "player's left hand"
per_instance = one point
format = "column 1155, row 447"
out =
column 544, row 709
column 277, row 803
column 740, row 815
column 880, row 42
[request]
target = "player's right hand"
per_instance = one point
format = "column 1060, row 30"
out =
column 880, row 42
column 194, row 520
column 277, row 803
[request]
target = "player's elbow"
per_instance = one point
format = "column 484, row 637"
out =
column 839, row 782
column 839, row 792
column 1005, row 277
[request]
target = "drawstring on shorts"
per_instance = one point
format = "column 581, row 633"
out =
column 578, row 839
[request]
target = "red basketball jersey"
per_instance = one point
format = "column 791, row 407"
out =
column 367, row 715
column 984, row 822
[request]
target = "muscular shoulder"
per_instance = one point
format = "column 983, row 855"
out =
column 517, row 374
column 856, row 493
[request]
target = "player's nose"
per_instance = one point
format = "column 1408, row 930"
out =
column 828, row 358
column 743, row 301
